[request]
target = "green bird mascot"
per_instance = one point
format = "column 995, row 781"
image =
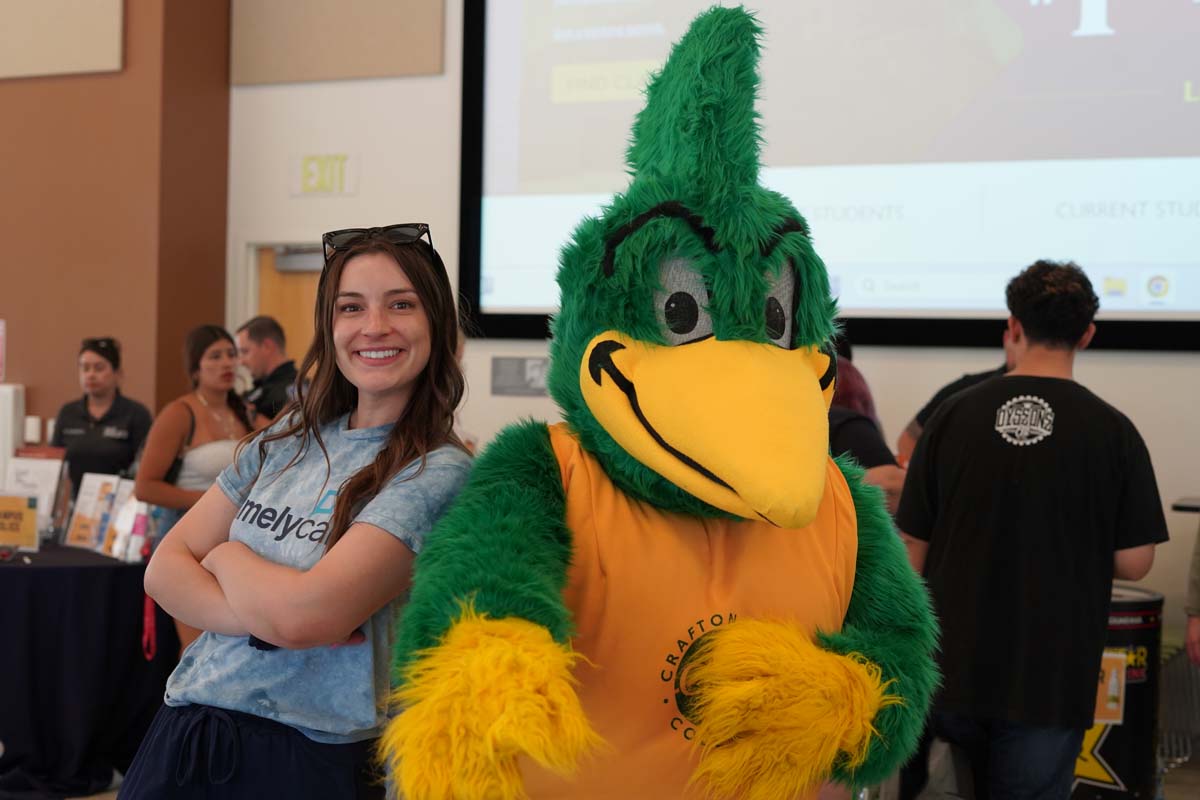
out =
column 676, row 592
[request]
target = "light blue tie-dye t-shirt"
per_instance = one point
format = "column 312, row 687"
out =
column 331, row 694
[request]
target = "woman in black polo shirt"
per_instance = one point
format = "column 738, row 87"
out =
column 103, row 430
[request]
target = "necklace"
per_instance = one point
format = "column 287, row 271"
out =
column 230, row 430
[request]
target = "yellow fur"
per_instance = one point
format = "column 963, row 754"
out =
column 775, row 711
column 492, row 690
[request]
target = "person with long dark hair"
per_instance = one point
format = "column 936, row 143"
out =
column 194, row 437
column 295, row 562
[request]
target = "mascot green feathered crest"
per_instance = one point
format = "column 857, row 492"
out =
column 694, row 310
column 676, row 592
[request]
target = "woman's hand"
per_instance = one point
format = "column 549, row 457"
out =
column 221, row 554
column 297, row 609
column 176, row 576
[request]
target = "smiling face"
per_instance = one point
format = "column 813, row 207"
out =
column 381, row 331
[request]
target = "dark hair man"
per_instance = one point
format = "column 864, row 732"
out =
column 1026, row 495
column 263, row 350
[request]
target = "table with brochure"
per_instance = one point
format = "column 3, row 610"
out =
column 85, row 656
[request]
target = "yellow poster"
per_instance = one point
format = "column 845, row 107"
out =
column 18, row 522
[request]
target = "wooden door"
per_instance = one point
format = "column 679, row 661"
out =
column 289, row 297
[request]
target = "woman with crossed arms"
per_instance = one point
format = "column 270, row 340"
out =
column 294, row 563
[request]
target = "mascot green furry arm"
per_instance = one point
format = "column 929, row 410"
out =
column 676, row 592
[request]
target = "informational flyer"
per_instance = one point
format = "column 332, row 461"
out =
column 107, row 535
column 92, row 505
column 18, row 522
column 35, row 477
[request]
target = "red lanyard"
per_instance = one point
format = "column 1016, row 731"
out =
column 149, row 634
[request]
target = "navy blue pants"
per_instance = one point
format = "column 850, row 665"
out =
column 203, row 752
column 1012, row 761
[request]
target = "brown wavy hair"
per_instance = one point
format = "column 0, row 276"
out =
column 323, row 394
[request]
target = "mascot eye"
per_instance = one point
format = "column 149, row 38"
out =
column 779, row 307
column 776, row 319
column 682, row 313
column 680, row 303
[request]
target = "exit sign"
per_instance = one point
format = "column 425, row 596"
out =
column 323, row 175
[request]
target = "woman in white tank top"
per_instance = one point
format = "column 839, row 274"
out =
column 194, row 437
column 203, row 463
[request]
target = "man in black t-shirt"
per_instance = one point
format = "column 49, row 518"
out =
column 263, row 350
column 1026, row 495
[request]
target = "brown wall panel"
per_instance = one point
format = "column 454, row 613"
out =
column 113, row 209
column 79, row 217
column 195, row 159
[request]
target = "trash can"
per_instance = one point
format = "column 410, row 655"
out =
column 1118, row 759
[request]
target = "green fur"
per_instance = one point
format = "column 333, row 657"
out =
column 503, row 545
column 696, row 142
column 889, row 621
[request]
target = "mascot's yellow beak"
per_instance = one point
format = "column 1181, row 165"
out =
column 740, row 425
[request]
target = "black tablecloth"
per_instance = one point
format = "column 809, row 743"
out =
column 76, row 692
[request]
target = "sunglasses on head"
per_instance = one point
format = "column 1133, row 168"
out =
column 402, row 233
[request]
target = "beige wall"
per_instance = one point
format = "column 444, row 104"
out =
column 285, row 41
column 400, row 135
column 112, row 212
column 59, row 37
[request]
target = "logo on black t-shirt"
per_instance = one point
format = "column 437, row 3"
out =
column 1025, row 420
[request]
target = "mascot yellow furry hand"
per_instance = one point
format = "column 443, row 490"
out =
column 676, row 592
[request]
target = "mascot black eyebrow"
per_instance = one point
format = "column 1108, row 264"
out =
column 676, row 592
